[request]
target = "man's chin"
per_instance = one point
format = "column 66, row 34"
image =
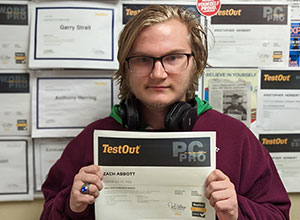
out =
column 161, row 107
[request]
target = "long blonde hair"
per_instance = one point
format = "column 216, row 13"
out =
column 154, row 14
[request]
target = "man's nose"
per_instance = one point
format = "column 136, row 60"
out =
column 158, row 71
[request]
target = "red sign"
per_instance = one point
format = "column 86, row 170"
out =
column 208, row 7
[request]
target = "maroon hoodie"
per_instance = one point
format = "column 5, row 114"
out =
column 261, row 194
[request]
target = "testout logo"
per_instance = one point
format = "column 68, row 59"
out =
column 190, row 152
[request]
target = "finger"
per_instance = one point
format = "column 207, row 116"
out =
column 214, row 186
column 217, row 181
column 93, row 190
column 79, row 198
column 219, row 186
column 92, row 169
column 220, row 195
column 85, row 177
column 92, row 179
column 86, row 198
column 215, row 175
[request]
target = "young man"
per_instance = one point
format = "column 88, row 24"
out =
column 236, row 109
column 161, row 55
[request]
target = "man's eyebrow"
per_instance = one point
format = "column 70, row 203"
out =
column 144, row 53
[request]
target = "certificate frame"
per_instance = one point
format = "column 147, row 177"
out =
column 69, row 42
column 27, row 168
column 70, row 58
column 42, row 163
column 27, row 193
column 66, row 78
column 96, row 90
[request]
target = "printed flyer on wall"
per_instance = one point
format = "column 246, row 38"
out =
column 279, row 101
column 130, row 8
column 285, row 151
column 157, row 175
column 14, row 37
column 295, row 45
column 250, row 35
column 15, row 103
column 295, row 8
column 232, row 91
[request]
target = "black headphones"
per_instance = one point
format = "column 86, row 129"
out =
column 181, row 115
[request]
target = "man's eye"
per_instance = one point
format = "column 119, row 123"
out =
column 143, row 59
column 175, row 57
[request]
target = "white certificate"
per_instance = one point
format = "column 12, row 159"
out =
column 250, row 35
column 46, row 152
column 61, row 38
column 64, row 104
column 154, row 175
column 16, row 169
column 285, row 151
column 14, row 37
column 15, row 103
column 279, row 101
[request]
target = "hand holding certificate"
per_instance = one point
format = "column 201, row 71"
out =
column 155, row 175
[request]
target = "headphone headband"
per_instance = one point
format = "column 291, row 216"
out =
column 181, row 115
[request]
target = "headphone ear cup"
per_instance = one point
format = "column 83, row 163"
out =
column 130, row 113
column 133, row 116
column 123, row 112
column 174, row 117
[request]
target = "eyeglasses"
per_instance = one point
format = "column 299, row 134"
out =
column 172, row 63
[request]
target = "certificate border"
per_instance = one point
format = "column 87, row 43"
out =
column 91, row 8
column 63, row 78
column 38, row 158
column 27, row 175
column 34, row 167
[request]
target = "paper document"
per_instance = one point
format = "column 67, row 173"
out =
column 46, row 152
column 231, row 81
column 16, row 169
column 154, row 175
column 279, row 101
column 14, row 37
column 15, row 103
column 294, row 60
column 131, row 9
column 250, row 35
column 285, row 151
column 64, row 104
column 62, row 38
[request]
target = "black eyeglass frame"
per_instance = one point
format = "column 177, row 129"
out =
column 127, row 59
